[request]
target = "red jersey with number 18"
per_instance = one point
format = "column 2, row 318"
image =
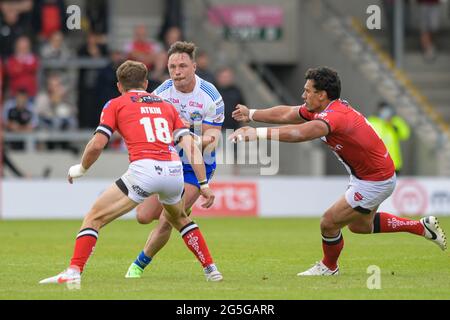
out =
column 148, row 124
column 354, row 141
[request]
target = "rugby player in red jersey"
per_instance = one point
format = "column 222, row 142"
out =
column 150, row 127
column 350, row 136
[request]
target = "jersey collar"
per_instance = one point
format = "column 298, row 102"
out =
column 331, row 102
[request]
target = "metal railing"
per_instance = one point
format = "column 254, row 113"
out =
column 31, row 140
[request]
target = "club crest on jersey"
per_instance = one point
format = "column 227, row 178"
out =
column 358, row 196
column 196, row 116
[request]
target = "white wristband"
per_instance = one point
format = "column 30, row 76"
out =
column 261, row 133
column 204, row 186
column 250, row 114
column 77, row 171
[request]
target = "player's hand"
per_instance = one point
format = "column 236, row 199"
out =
column 243, row 134
column 209, row 196
column 241, row 113
column 75, row 171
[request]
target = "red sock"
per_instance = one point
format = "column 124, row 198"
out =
column 84, row 246
column 196, row 243
column 332, row 248
column 385, row 222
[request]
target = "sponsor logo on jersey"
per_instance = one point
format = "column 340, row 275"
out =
column 358, row 196
column 140, row 191
column 195, row 104
column 175, row 171
column 146, row 99
column 174, row 100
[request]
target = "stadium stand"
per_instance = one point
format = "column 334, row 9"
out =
column 268, row 72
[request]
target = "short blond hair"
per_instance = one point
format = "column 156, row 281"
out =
column 132, row 74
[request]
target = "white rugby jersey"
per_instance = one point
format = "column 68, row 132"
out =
column 204, row 105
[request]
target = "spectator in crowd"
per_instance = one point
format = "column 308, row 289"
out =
column 107, row 80
column 143, row 49
column 55, row 47
column 52, row 109
column 89, row 108
column 97, row 12
column 160, row 74
column 173, row 17
column 231, row 94
column 203, row 69
column 172, row 35
column 429, row 24
column 15, row 20
column 19, row 116
column 392, row 129
column 22, row 68
column 388, row 11
column 49, row 16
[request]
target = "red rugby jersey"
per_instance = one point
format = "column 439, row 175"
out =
column 148, row 124
column 354, row 141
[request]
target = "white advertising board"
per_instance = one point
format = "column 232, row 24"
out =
column 270, row 197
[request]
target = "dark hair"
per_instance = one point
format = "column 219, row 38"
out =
column 325, row 79
column 383, row 104
column 132, row 74
column 183, row 47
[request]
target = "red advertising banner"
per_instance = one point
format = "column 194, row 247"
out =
column 232, row 199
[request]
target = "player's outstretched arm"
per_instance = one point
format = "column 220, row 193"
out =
column 294, row 133
column 91, row 153
column 278, row 115
column 195, row 158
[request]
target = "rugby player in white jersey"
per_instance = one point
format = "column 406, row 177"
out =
column 201, row 108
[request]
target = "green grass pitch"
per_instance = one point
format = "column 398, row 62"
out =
column 259, row 259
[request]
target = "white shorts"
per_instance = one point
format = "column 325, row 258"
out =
column 364, row 196
column 146, row 177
